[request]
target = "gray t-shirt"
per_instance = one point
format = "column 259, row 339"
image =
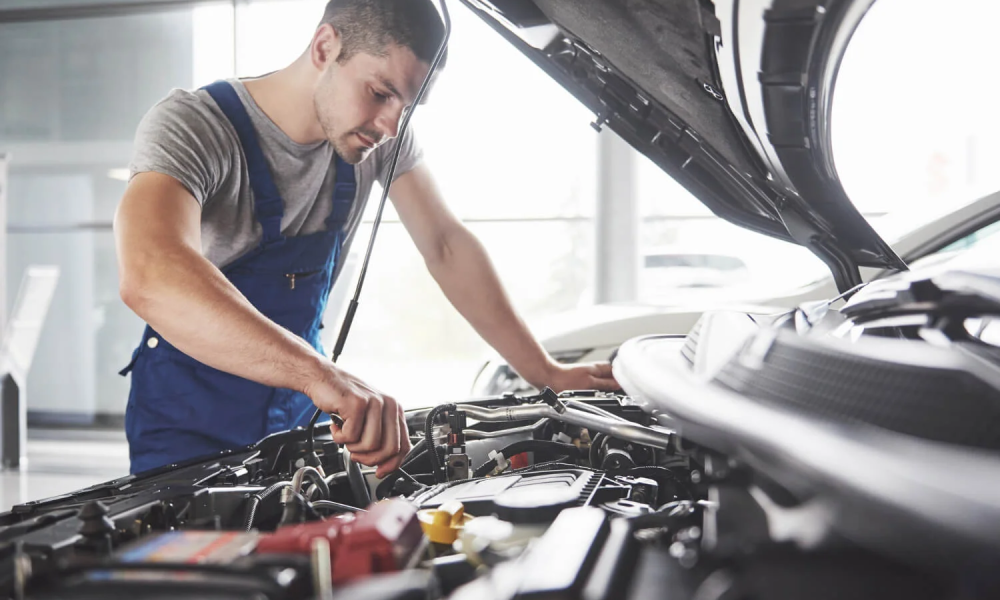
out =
column 187, row 137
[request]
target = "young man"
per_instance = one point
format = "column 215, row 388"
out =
column 239, row 212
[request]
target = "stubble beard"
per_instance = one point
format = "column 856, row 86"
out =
column 340, row 142
column 347, row 152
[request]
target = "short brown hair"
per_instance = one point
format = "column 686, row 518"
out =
column 371, row 26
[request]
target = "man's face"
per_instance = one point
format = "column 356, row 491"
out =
column 360, row 102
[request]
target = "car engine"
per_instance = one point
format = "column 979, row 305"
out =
column 552, row 496
column 807, row 455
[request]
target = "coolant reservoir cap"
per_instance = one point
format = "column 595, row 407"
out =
column 533, row 504
column 442, row 525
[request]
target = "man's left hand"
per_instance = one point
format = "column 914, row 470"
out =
column 587, row 376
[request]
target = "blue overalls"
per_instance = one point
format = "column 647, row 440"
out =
column 179, row 408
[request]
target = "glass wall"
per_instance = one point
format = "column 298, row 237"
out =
column 510, row 148
column 72, row 93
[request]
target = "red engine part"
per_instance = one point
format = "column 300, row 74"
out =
column 382, row 540
column 519, row 461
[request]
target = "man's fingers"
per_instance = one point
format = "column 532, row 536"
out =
column 404, row 433
column 371, row 437
column 354, row 423
column 602, row 370
column 390, row 432
column 389, row 442
column 389, row 460
column 602, row 378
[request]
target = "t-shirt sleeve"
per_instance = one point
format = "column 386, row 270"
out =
column 409, row 156
column 180, row 137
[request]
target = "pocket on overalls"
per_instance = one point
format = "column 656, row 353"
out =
column 301, row 277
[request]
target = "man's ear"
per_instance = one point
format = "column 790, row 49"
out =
column 326, row 46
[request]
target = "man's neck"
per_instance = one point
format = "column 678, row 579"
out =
column 286, row 97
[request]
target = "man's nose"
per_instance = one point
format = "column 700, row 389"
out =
column 388, row 122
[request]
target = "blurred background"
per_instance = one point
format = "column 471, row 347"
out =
column 916, row 132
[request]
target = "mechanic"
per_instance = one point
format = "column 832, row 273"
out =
column 234, row 225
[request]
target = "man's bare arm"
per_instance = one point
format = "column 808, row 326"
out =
column 165, row 279
column 460, row 265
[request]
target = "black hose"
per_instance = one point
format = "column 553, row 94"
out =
column 259, row 497
column 409, row 462
column 595, row 450
column 387, row 485
column 436, row 467
column 336, row 506
column 415, row 452
column 359, row 487
column 541, row 446
column 295, row 505
column 317, row 478
column 384, row 488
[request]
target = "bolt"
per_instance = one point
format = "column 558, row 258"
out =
column 689, row 534
column 677, row 549
column 695, row 476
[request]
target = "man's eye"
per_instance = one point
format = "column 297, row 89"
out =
column 380, row 97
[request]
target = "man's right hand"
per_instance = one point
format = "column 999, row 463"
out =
column 374, row 429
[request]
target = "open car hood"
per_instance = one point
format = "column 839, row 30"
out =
column 734, row 104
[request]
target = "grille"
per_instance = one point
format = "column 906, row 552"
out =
column 939, row 404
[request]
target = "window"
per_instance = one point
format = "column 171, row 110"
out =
column 510, row 149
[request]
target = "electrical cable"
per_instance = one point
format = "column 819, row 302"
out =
column 436, row 466
column 259, row 497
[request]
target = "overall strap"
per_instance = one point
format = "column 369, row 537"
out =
column 268, row 205
column 345, row 188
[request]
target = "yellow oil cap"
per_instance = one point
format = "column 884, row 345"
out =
column 443, row 524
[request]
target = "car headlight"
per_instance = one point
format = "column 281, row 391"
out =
column 497, row 377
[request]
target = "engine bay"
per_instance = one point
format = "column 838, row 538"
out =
column 573, row 495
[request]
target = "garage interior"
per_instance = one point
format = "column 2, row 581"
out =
column 589, row 237
column 78, row 75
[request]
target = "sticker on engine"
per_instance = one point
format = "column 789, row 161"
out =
column 190, row 547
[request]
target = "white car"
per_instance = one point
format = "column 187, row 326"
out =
column 595, row 333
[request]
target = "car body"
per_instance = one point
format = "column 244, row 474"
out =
column 595, row 333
